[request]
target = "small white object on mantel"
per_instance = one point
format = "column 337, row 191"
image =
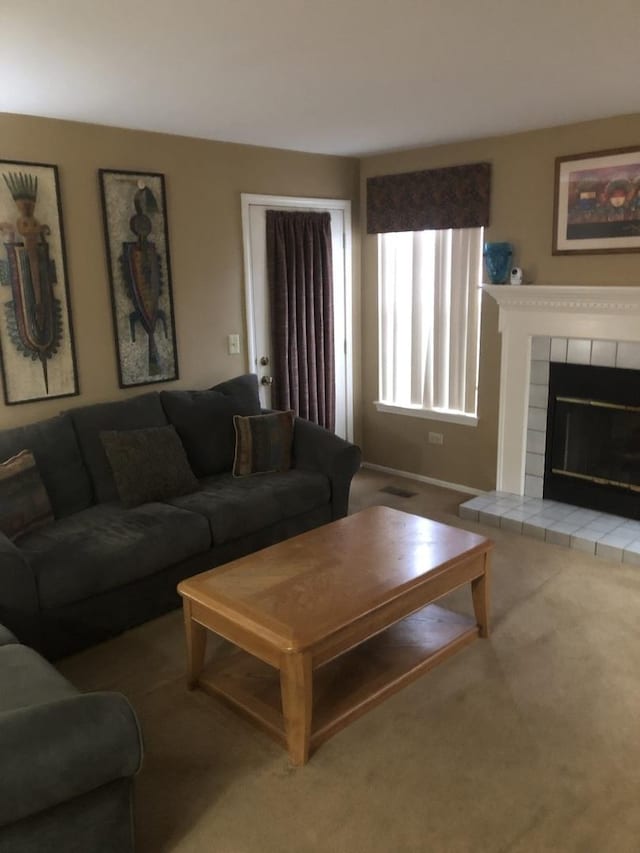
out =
column 601, row 313
column 515, row 277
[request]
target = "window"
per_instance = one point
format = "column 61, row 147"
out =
column 429, row 322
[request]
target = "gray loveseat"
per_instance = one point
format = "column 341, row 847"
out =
column 99, row 567
column 67, row 759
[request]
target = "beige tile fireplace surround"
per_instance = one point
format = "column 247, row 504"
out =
column 539, row 324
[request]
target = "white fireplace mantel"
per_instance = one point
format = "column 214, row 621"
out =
column 569, row 298
column 566, row 311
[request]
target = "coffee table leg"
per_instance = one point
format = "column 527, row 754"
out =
column 297, row 695
column 196, row 637
column 480, row 593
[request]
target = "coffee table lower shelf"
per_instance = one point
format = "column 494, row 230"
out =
column 347, row 686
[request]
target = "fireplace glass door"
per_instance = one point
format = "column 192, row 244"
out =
column 593, row 438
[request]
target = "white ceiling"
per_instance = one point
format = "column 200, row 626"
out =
column 331, row 76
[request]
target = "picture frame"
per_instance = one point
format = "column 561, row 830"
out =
column 136, row 237
column 597, row 202
column 37, row 348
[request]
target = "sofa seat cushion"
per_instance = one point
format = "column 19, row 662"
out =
column 108, row 546
column 27, row 679
column 237, row 507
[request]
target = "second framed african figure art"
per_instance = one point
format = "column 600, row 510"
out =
column 137, row 244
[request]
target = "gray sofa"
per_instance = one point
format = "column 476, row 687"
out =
column 67, row 759
column 100, row 567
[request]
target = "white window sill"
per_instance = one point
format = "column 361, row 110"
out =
column 447, row 415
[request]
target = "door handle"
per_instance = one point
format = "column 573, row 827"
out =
column 266, row 380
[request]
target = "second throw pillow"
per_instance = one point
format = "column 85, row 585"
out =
column 263, row 443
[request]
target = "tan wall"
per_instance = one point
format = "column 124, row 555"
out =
column 203, row 184
column 521, row 213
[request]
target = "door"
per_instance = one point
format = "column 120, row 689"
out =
column 254, row 208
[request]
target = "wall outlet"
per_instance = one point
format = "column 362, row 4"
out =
column 436, row 438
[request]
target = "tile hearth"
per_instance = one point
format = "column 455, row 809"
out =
column 611, row 537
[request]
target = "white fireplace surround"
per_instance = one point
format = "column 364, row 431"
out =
column 582, row 324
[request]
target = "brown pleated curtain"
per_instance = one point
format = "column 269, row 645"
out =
column 299, row 268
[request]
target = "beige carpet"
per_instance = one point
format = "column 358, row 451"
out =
column 525, row 742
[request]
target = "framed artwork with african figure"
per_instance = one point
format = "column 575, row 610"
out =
column 597, row 203
column 37, row 354
column 138, row 260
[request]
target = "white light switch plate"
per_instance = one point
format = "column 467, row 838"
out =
column 234, row 344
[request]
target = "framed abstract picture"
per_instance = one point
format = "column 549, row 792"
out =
column 37, row 354
column 138, row 260
column 597, row 203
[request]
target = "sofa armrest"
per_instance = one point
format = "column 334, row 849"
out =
column 19, row 603
column 318, row 449
column 6, row 637
column 53, row 752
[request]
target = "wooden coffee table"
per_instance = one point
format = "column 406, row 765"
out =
column 328, row 624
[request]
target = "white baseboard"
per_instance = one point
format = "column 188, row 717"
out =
column 456, row 487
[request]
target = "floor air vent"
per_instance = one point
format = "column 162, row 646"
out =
column 398, row 493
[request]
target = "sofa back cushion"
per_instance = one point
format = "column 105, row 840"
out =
column 89, row 421
column 204, row 421
column 57, row 455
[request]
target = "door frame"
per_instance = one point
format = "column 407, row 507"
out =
column 301, row 203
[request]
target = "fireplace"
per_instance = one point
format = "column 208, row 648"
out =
column 596, row 328
column 592, row 454
column 589, row 325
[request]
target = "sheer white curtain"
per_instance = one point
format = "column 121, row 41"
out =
column 429, row 318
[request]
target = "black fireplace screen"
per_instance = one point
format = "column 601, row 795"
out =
column 597, row 441
column 593, row 438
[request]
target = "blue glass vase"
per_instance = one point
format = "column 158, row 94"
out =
column 497, row 260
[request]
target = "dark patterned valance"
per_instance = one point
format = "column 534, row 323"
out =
column 454, row 197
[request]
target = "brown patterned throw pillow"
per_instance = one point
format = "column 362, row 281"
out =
column 24, row 502
column 148, row 464
column 263, row 443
